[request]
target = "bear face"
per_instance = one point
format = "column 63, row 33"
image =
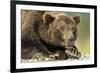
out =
column 62, row 29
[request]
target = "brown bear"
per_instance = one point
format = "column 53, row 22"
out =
column 45, row 33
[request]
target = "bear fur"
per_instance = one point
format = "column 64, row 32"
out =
column 47, row 33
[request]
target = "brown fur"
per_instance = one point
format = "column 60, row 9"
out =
column 60, row 28
column 52, row 27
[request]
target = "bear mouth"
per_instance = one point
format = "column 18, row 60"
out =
column 69, row 43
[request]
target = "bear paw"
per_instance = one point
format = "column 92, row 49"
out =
column 72, row 52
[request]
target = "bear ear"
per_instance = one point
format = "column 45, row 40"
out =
column 48, row 19
column 76, row 19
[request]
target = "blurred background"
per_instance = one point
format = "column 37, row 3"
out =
column 83, row 40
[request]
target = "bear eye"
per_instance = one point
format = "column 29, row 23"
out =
column 72, row 28
column 62, row 28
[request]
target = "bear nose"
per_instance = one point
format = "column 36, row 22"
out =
column 71, row 38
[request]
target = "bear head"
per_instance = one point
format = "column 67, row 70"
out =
column 60, row 29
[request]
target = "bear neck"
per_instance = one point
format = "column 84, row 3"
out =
column 43, row 32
